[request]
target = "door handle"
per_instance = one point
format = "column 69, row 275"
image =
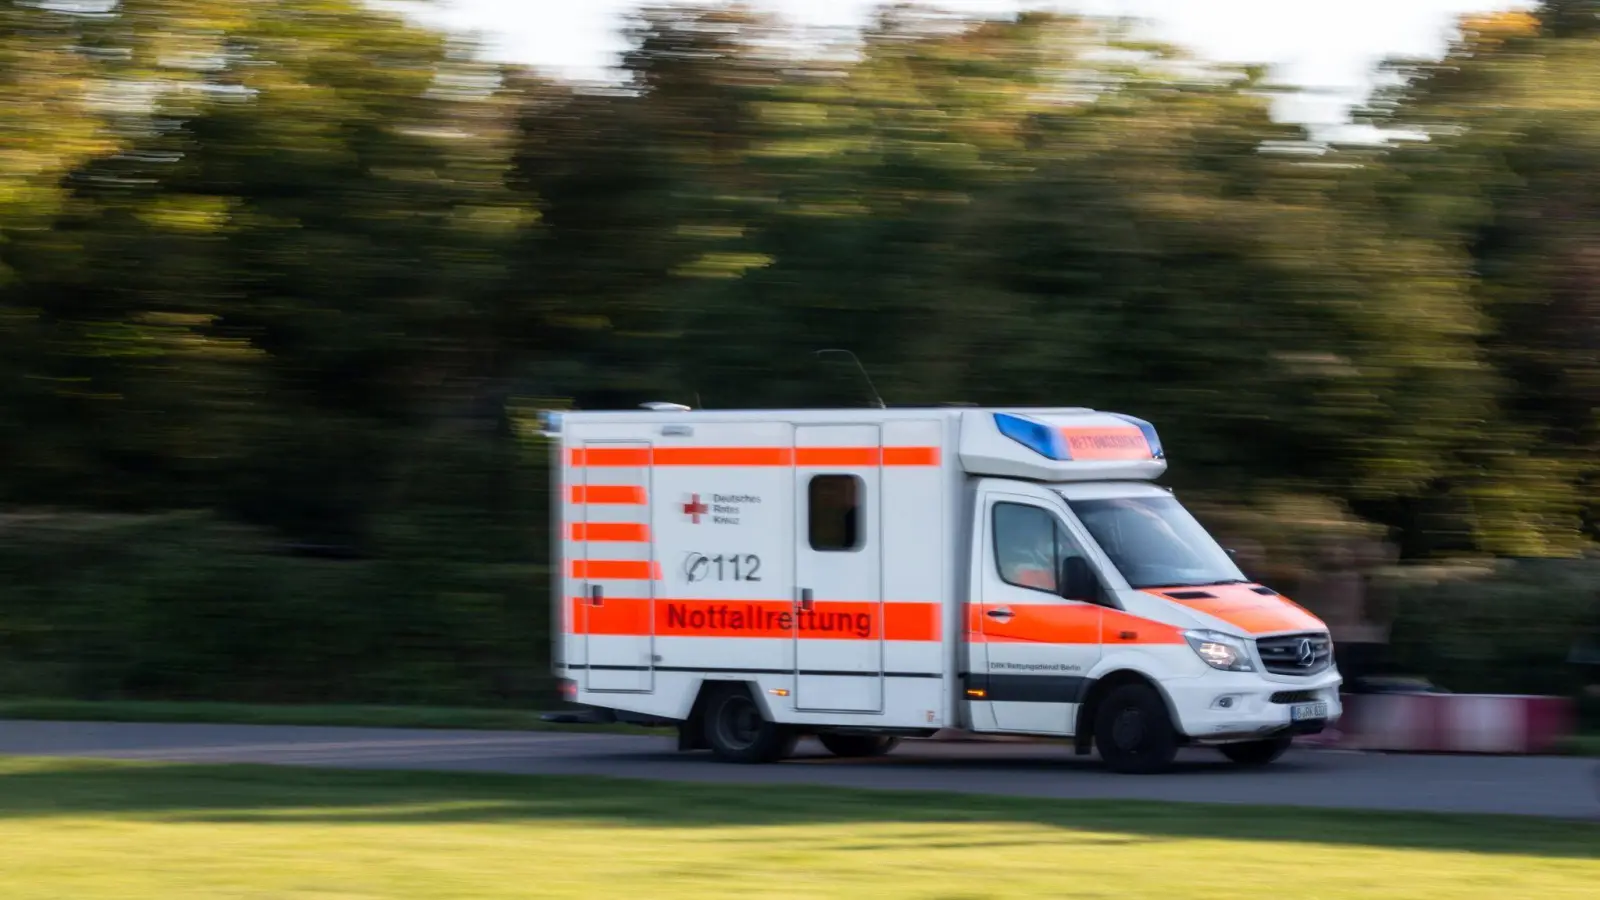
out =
column 805, row 599
column 1001, row 613
column 596, row 598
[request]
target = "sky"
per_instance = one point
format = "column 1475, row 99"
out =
column 1329, row 47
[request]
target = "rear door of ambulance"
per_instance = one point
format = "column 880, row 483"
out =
column 609, row 557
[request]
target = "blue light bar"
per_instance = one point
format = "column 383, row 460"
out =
column 1036, row 436
column 1156, row 452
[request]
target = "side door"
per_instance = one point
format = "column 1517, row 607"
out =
column 1032, row 648
column 838, row 638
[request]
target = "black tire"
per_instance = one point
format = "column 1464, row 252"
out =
column 857, row 745
column 1257, row 753
column 1133, row 731
column 737, row 732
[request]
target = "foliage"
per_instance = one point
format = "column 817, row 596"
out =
column 1510, row 171
column 1511, row 629
column 286, row 273
column 184, row 606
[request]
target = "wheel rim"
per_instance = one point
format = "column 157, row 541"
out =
column 740, row 723
column 1128, row 730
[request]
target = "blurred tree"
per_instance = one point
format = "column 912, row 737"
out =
column 636, row 186
column 1511, row 173
column 54, row 117
column 1040, row 211
column 280, row 267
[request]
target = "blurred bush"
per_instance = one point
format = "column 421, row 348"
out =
column 1506, row 627
column 448, row 609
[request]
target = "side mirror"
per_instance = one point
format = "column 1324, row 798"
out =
column 1076, row 580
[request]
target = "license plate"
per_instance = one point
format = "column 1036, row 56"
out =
column 1300, row 712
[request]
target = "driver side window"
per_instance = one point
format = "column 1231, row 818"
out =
column 1029, row 546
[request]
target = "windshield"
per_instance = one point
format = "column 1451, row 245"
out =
column 1155, row 542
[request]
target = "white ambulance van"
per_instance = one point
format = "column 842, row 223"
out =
column 866, row 575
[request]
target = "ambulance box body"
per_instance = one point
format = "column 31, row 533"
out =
column 865, row 575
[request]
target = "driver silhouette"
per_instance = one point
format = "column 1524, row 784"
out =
column 1029, row 559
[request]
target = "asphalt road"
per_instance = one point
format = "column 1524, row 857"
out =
column 1565, row 787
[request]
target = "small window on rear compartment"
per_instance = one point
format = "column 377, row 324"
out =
column 833, row 511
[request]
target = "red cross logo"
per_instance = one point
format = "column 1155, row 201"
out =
column 694, row 509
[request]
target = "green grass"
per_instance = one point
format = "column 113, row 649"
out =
column 254, row 714
column 85, row 830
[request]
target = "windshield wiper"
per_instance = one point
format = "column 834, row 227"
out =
column 1193, row 584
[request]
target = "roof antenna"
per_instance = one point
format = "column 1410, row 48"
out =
column 876, row 399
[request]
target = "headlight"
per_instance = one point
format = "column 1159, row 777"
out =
column 1220, row 651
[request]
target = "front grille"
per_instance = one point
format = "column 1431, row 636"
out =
column 1294, row 697
column 1296, row 654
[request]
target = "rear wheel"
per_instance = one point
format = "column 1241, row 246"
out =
column 857, row 745
column 1256, row 753
column 737, row 731
column 1133, row 731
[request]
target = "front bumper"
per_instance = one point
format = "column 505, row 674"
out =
column 1229, row 707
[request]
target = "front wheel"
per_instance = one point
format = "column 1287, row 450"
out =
column 857, row 745
column 739, row 733
column 1133, row 731
column 1256, row 753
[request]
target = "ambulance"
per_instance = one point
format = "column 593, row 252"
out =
column 862, row 576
